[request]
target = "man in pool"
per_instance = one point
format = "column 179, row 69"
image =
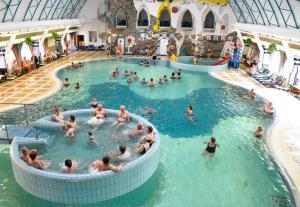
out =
column 104, row 165
column 71, row 127
column 36, row 163
column 144, row 81
column 70, row 166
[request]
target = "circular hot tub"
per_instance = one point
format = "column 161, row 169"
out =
column 85, row 187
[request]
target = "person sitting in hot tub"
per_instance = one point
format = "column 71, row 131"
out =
column 71, row 127
column 94, row 103
column 123, row 154
column 126, row 74
column 151, row 83
column 98, row 116
column 36, row 163
column 104, row 165
column 25, row 155
column 132, row 133
column 150, row 135
column 143, row 147
column 57, row 116
column 144, row 81
column 70, row 166
column 123, row 115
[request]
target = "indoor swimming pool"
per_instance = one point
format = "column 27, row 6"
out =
column 241, row 174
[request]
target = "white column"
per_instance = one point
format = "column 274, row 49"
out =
column 41, row 44
column 63, row 44
column 3, row 66
column 261, row 50
column 288, row 68
column 8, row 48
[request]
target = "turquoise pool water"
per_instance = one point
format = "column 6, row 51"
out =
column 241, row 174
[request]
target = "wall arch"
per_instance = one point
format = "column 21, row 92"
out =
column 209, row 21
column 165, row 19
column 186, row 20
column 143, row 18
column 121, row 18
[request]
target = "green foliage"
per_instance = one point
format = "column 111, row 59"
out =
column 248, row 41
column 28, row 41
column 55, row 35
column 272, row 48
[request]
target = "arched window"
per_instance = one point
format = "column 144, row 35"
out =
column 143, row 20
column 121, row 19
column 209, row 22
column 187, row 20
column 165, row 19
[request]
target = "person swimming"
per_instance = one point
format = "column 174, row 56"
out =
column 251, row 94
column 66, row 82
column 129, row 81
column 189, row 111
column 151, row 83
column 210, row 149
column 258, row 133
column 173, row 76
column 94, row 103
column 143, row 81
column 114, row 74
column 135, row 75
column 179, row 75
column 160, row 81
column 165, row 78
column 126, row 74
column 70, row 166
column 77, row 86
column 268, row 107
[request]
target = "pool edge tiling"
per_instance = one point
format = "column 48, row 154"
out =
column 83, row 188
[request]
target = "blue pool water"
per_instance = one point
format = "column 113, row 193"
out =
column 241, row 174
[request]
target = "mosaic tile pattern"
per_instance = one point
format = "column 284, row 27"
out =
column 83, row 188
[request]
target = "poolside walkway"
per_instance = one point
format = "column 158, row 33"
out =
column 33, row 87
column 284, row 136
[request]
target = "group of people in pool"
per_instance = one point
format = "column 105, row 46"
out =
column 268, row 108
column 145, row 135
column 132, row 75
column 66, row 83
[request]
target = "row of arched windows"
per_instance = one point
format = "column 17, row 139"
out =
column 165, row 19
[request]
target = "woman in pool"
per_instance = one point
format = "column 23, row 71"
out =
column 160, row 81
column 71, row 127
column 114, row 74
column 36, row 163
column 189, row 111
column 165, row 78
column 210, row 148
column 123, row 154
column 66, row 82
column 70, row 166
column 268, row 107
column 151, row 83
column 126, row 74
column 150, row 135
column 144, row 81
column 94, row 103
column 258, row 132
column 77, row 86
column 104, row 165
column 179, row 75
column 135, row 75
column 129, row 81
column 57, row 116
column 25, row 155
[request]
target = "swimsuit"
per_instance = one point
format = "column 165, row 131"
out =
column 211, row 149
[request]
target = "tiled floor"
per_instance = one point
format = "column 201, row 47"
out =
column 33, row 87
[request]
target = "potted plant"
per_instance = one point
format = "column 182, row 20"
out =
column 55, row 36
column 28, row 41
column 248, row 41
column 272, row 48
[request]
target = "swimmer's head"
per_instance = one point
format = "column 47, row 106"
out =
column 33, row 154
column 190, row 107
column 66, row 79
column 122, row 148
column 151, row 79
column 68, row 163
column 94, row 99
column 149, row 129
column 99, row 106
column 24, row 150
column 105, row 160
column 139, row 126
column 72, row 118
column 213, row 140
column 122, row 107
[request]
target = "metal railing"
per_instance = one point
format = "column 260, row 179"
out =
column 25, row 122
